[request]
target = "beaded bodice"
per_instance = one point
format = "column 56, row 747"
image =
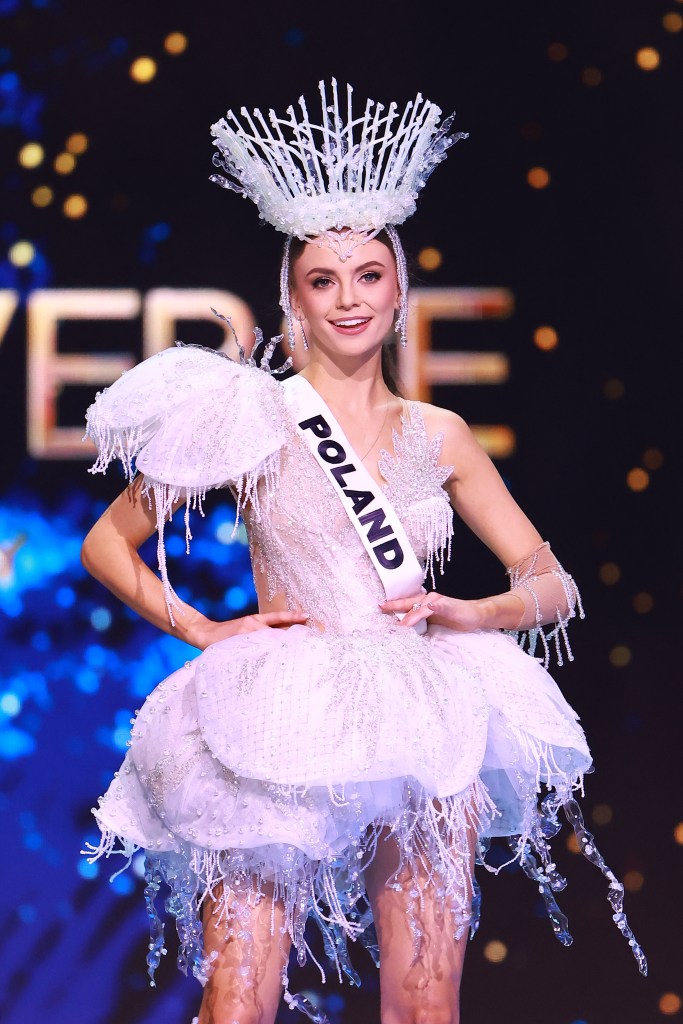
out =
column 304, row 545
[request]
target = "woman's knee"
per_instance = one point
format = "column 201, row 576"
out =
column 227, row 1004
column 410, row 1013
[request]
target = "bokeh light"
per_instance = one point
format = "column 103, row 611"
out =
column 669, row 1003
column 31, row 155
column 429, row 258
column 678, row 833
column 75, row 206
column 143, row 69
column 77, row 143
column 653, row 458
column 22, row 253
column 42, row 195
column 591, row 77
column 637, row 479
column 602, row 814
column 647, row 58
column 634, row 881
column 620, row 656
column 573, row 843
column 557, row 52
column 495, row 951
column 538, row 177
column 10, row 704
column 613, row 388
column 673, row 21
column 546, row 338
column 64, row 163
column 609, row 573
column 643, row 602
column 175, row 43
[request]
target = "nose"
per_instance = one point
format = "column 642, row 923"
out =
column 346, row 296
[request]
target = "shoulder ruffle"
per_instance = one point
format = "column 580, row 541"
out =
column 190, row 419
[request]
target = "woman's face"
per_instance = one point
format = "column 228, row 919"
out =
column 348, row 306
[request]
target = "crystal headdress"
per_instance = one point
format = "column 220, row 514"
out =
column 344, row 179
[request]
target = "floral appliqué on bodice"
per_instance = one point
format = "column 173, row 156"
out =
column 305, row 546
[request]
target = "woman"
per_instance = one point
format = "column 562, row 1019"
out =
column 346, row 752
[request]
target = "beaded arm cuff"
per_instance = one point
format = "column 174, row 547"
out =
column 549, row 595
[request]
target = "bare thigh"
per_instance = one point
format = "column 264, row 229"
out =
column 246, row 983
column 423, row 989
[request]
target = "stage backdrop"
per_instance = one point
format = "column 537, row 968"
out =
column 547, row 264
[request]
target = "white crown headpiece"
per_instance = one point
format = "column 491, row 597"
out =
column 360, row 173
column 344, row 179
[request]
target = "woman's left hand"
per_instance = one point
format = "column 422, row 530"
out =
column 463, row 616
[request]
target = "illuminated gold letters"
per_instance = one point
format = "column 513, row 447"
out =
column 420, row 368
column 49, row 370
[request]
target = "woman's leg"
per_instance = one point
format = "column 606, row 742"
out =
column 246, row 983
column 426, row 989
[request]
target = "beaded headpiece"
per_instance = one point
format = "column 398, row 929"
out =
column 342, row 181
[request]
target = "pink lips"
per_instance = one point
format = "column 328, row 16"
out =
column 351, row 325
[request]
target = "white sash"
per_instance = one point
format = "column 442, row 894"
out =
column 368, row 508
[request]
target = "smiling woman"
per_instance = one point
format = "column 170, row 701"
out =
column 365, row 287
column 347, row 753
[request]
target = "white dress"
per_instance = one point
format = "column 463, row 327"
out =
column 278, row 756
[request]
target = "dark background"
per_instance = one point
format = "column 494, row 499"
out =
column 596, row 254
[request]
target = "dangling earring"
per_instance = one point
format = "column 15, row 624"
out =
column 285, row 304
column 303, row 332
column 402, row 275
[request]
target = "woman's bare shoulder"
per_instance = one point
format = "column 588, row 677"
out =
column 444, row 421
column 459, row 447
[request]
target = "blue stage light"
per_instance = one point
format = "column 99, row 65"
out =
column 123, row 884
column 87, row 681
column 10, row 705
column 159, row 232
column 65, row 597
column 87, row 870
column 294, row 36
column 33, row 840
column 9, row 82
column 41, row 641
column 15, row 743
column 236, row 598
column 175, row 544
column 100, row 619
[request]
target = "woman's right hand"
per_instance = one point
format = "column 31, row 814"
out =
column 209, row 632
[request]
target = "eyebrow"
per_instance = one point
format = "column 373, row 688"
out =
column 363, row 266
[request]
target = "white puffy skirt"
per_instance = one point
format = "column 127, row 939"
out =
column 277, row 760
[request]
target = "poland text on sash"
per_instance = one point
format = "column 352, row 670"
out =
column 368, row 508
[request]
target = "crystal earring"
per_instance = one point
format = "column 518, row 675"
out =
column 303, row 332
column 285, row 304
column 402, row 275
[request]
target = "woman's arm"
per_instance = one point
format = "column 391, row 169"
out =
column 541, row 591
column 110, row 554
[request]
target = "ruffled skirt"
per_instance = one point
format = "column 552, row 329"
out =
column 277, row 760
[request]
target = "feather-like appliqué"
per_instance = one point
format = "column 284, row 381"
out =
column 414, row 485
